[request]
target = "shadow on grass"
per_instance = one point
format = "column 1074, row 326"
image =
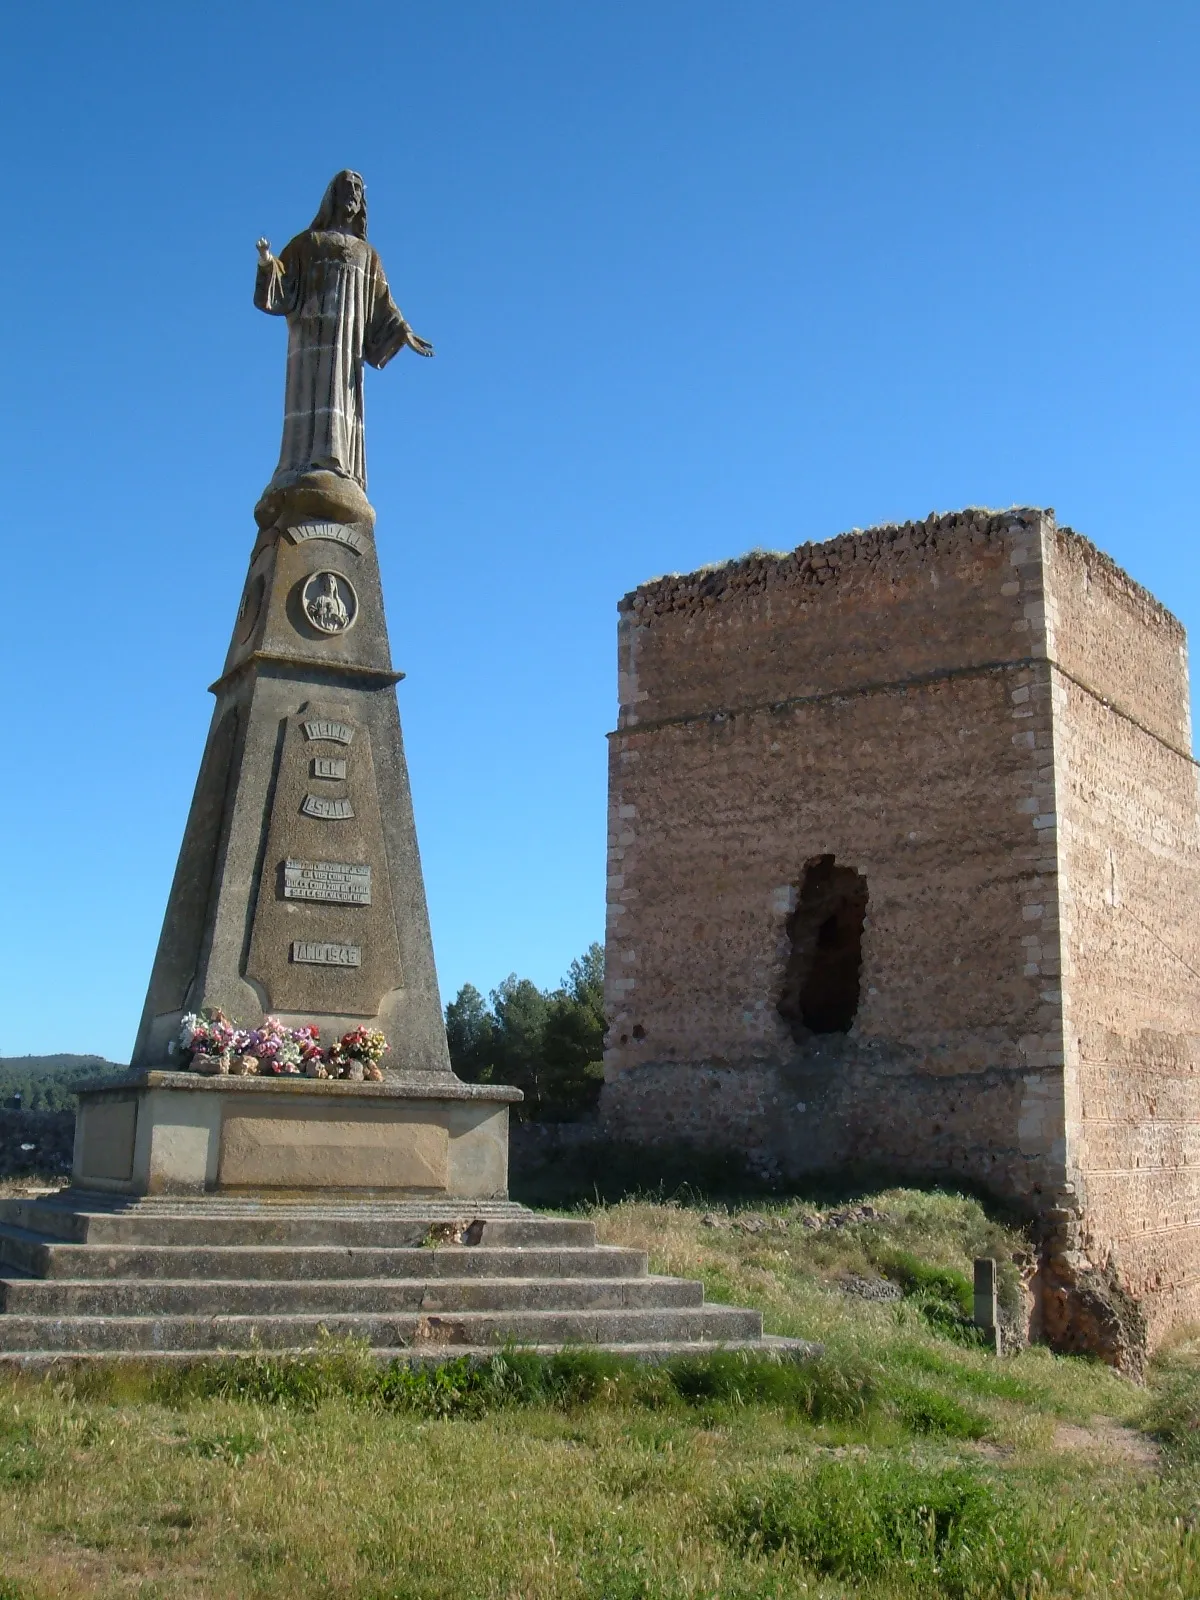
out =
column 607, row 1171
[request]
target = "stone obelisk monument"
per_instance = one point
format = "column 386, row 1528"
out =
column 298, row 891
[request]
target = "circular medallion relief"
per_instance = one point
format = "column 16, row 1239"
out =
column 329, row 602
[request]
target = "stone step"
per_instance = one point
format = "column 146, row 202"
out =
column 25, row 1251
column 364, row 1225
column 93, row 1203
column 770, row 1345
column 134, row 1335
column 333, row 1297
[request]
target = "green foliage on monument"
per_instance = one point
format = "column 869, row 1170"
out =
column 48, row 1083
column 549, row 1043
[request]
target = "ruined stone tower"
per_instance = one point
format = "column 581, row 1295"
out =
column 905, row 876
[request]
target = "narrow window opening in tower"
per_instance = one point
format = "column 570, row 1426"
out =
column 824, row 966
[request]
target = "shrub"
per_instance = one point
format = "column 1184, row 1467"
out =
column 821, row 1390
column 946, row 1532
column 939, row 1415
column 916, row 1277
column 337, row 1367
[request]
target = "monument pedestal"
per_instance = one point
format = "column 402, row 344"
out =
column 177, row 1133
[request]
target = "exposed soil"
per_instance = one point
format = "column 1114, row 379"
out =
column 1106, row 1440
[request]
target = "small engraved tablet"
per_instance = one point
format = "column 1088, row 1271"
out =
column 329, row 767
column 339, row 883
column 326, row 955
column 347, row 533
column 316, row 805
column 340, row 732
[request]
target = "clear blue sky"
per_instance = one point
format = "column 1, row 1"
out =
column 701, row 277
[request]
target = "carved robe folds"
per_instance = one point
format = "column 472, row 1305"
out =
column 331, row 288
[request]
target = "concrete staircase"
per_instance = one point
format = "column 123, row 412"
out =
column 85, row 1275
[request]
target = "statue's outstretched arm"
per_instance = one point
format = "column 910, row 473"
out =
column 272, row 292
column 388, row 332
column 415, row 342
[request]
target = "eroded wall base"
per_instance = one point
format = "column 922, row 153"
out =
column 843, row 1105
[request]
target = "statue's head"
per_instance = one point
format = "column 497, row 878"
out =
column 344, row 205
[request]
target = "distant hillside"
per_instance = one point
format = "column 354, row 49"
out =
column 46, row 1083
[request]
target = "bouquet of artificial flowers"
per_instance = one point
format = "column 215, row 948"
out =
column 358, row 1054
column 206, row 1041
column 209, row 1042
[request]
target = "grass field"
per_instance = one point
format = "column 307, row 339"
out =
column 906, row 1461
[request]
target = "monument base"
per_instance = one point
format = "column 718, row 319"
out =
column 180, row 1133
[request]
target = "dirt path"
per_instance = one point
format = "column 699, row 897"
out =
column 1106, row 1440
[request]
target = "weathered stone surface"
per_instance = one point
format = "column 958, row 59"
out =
column 292, row 985
column 228, row 933
column 177, row 1133
column 488, row 1275
column 333, row 1147
column 105, row 1139
column 987, row 723
column 314, row 496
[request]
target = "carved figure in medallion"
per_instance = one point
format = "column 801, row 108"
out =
column 329, row 283
column 330, row 602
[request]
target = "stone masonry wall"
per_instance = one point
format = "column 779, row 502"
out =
column 964, row 711
column 877, row 698
column 1129, row 847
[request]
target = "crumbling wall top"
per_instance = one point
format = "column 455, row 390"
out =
column 1079, row 550
column 891, row 545
column 816, row 563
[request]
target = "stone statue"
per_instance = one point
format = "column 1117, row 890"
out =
column 329, row 284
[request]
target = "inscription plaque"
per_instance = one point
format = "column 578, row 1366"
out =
column 347, row 533
column 339, row 732
column 326, row 955
column 340, row 883
column 329, row 767
column 316, row 805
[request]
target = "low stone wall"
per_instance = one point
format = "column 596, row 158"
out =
column 36, row 1141
column 536, row 1144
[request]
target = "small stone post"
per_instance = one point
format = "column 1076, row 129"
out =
column 987, row 1313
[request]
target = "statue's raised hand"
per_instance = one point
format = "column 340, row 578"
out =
column 264, row 252
column 415, row 342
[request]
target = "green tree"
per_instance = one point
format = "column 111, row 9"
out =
column 573, row 1043
column 471, row 1035
column 520, row 1009
column 548, row 1044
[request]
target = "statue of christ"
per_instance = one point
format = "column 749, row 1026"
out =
column 329, row 284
